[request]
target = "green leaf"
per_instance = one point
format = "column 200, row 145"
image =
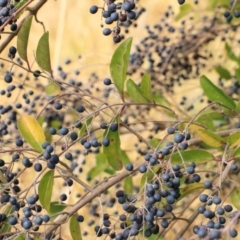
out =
column 113, row 151
column 148, row 176
column 74, row 228
column 237, row 74
column 31, row 131
column 160, row 99
column 128, row 185
column 18, row 5
column 210, row 138
column 184, row 10
column 85, row 127
column 235, row 198
column 234, row 139
column 22, row 38
column 195, row 155
column 125, row 158
column 223, row 72
column 21, row 237
column 236, row 153
column 56, row 207
column 45, row 189
column 146, row 87
column 110, row 170
column 231, row 54
column 101, row 165
column 135, row 92
column 154, row 142
column 188, row 189
column 119, row 64
column 216, row 94
column 52, row 89
column 6, row 227
column 43, row 53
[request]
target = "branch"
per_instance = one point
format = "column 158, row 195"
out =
column 32, row 11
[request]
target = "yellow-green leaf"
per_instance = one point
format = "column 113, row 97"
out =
column 43, row 53
column 6, row 227
column 52, row 89
column 184, row 10
column 74, row 228
column 210, row 138
column 188, row 189
column 234, row 139
column 154, row 142
column 223, row 72
column 22, row 38
column 231, row 54
column 128, row 185
column 235, row 198
column 56, row 207
column 135, row 92
column 31, row 131
column 146, row 87
column 45, row 189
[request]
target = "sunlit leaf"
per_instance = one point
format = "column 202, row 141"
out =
column 6, row 227
column 119, row 64
column 231, row 54
column 101, row 165
column 135, row 92
column 188, row 189
column 216, row 94
column 236, row 153
column 113, row 151
column 128, row 185
column 43, row 53
column 148, row 176
column 52, row 89
column 22, row 38
column 74, row 228
column 45, row 189
column 234, row 139
column 56, row 207
column 210, row 138
column 146, row 87
column 21, row 237
column 223, row 72
column 31, row 131
column 195, row 155
column 235, row 198
column 184, row 10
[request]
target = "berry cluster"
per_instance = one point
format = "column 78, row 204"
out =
column 122, row 13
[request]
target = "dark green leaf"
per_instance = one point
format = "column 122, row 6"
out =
column 43, row 53
column 215, row 94
column 31, row 131
column 125, row 158
column 128, row 185
column 231, row 54
column 101, row 165
column 113, row 151
column 196, row 156
column 45, row 189
column 56, row 207
column 188, row 189
column 238, row 107
column 235, row 198
column 119, row 64
column 22, row 38
column 135, row 92
column 210, row 138
column 223, row 72
column 184, row 10
column 146, row 87
column 74, row 228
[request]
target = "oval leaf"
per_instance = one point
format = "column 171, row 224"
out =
column 56, row 207
column 74, row 228
column 234, row 139
column 43, row 53
column 128, row 185
column 22, row 38
column 230, row 53
column 184, row 10
column 31, row 132
column 45, row 188
column 196, row 156
column 146, row 87
column 215, row 94
column 223, row 72
column 235, row 198
column 135, row 92
column 113, row 151
column 119, row 64
column 236, row 153
column 210, row 138
column 52, row 89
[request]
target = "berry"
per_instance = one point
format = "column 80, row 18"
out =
column 131, row 15
column 228, row 208
column 129, row 167
column 80, row 109
column 3, row 3
column 27, row 224
column 12, row 221
column 80, row 218
column 107, row 81
column 217, row 200
column 171, row 130
column 207, row 184
column 233, row 233
column 45, row 218
column 203, row 198
column 12, row 50
column 181, row 2
column 63, row 197
column 8, row 78
column 143, row 168
column 178, row 138
column 114, row 127
column 36, row 73
column 63, row 131
column 106, row 142
column 93, row 9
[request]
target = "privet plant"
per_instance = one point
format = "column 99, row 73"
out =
column 159, row 169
